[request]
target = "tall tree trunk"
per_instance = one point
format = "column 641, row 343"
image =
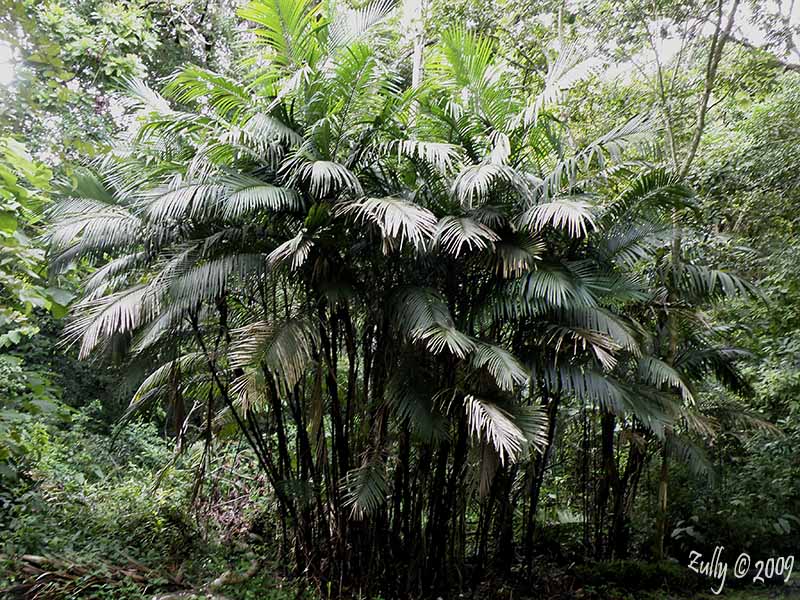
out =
column 718, row 40
column 418, row 31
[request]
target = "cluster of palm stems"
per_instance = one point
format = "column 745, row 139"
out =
column 391, row 292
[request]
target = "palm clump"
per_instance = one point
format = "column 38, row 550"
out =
column 390, row 291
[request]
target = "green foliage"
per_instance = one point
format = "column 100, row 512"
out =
column 106, row 503
column 443, row 321
column 92, row 495
column 748, row 178
column 26, row 392
column 70, row 58
column 25, row 396
column 24, row 184
column 88, row 499
column 263, row 237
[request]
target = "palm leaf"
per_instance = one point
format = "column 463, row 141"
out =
column 292, row 253
column 283, row 348
column 365, row 488
column 572, row 215
column 399, row 220
column 501, row 364
column 96, row 320
column 454, row 233
column 474, row 183
column 351, row 25
column 658, row 373
column 487, row 421
column 323, row 177
column 285, row 27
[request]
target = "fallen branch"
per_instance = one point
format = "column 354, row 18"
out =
column 45, row 577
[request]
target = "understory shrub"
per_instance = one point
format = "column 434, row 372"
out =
column 86, row 495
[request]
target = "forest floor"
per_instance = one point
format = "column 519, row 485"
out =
column 745, row 594
column 82, row 527
column 789, row 592
column 70, row 581
column 756, row 593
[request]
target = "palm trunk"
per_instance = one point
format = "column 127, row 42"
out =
column 608, row 482
column 537, row 473
column 623, row 496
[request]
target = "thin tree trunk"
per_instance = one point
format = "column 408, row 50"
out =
column 718, row 41
column 623, row 499
column 661, row 521
column 538, row 471
column 418, row 25
column 608, row 482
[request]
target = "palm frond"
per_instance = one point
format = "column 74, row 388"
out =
column 593, row 328
column 454, row 233
column 554, row 284
column 207, row 281
column 571, row 214
column 562, row 73
column 719, row 362
column 292, row 253
column 465, row 60
column 106, row 275
column 474, row 183
column 414, row 406
column 99, row 319
column 283, row 348
column 487, row 421
column 399, row 220
column 442, row 156
column 517, row 256
column 655, row 190
column 286, row 27
column 422, row 314
column 170, row 323
column 656, row 411
column 323, row 177
column 416, row 309
column 707, row 283
column 247, row 195
column 365, row 488
column 88, row 228
column 183, row 199
column 145, row 98
column 351, row 25
column 223, row 94
column 564, row 176
column 656, row 372
column 440, row 337
column 628, row 244
column 154, row 384
column 267, row 130
column 507, row 371
column 684, row 450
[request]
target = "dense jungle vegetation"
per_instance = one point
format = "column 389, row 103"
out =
column 423, row 299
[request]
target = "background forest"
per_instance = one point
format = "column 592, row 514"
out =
column 433, row 299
